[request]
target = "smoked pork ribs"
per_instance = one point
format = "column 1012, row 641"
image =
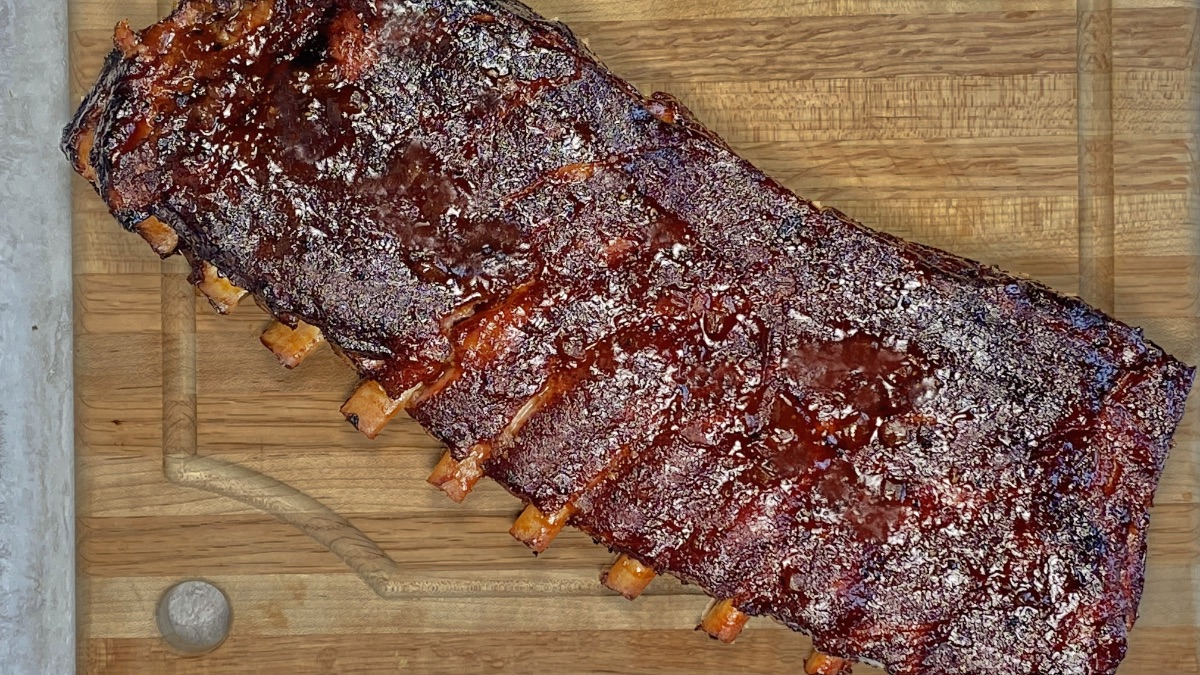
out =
column 920, row 461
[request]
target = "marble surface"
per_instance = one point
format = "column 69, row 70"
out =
column 36, row 453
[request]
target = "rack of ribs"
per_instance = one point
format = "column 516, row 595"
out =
column 920, row 461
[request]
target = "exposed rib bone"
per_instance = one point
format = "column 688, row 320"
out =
column 370, row 408
column 457, row 479
column 536, row 530
column 528, row 410
column 823, row 664
column 628, row 577
column 446, row 472
column 221, row 294
column 292, row 345
column 448, row 376
column 723, row 621
column 159, row 235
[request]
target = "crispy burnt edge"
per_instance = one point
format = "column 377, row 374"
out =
column 79, row 137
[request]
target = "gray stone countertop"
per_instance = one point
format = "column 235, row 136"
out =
column 37, row 633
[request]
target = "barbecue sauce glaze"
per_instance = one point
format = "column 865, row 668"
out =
column 915, row 458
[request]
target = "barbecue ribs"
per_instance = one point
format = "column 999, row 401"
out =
column 918, row 460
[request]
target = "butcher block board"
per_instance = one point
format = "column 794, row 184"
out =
column 1050, row 139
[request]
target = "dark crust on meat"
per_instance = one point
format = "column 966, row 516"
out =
column 917, row 459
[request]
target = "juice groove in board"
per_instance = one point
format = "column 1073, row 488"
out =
column 953, row 123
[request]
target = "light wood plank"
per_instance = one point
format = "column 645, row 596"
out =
column 951, row 122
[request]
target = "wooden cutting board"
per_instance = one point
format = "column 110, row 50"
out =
column 1031, row 134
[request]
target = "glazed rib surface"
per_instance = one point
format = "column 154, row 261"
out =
column 919, row 460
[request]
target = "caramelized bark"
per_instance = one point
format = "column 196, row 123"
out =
column 917, row 459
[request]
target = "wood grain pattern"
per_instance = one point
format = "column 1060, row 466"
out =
column 1094, row 50
column 1051, row 137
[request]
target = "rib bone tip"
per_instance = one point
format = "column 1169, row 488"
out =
column 628, row 577
column 159, row 235
column 455, row 478
column 723, row 621
column 536, row 530
column 292, row 345
column 221, row 293
column 445, row 470
column 823, row 664
column 370, row 408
